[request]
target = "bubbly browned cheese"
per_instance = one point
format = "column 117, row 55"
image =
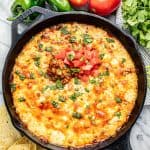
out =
column 76, row 113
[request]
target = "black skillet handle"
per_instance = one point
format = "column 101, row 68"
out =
column 14, row 27
column 122, row 144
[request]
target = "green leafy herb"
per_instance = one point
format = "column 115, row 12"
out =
column 21, row 99
column 45, row 88
column 118, row 114
column 72, row 39
column 109, row 40
column 87, row 90
column 87, row 39
column 32, row 76
column 59, row 85
column 101, row 56
column 74, row 96
column 61, row 99
column 76, row 81
column 64, row 30
column 21, row 76
column 77, row 115
column 40, row 45
column 136, row 15
column 123, row 60
column 48, row 49
column 55, row 104
column 37, row 61
column 52, row 87
column 12, row 87
column 75, row 70
column 106, row 73
column 70, row 56
column 118, row 100
column 93, row 81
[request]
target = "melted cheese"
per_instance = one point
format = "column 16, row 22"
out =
column 105, row 105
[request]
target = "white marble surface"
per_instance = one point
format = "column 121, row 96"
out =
column 140, row 134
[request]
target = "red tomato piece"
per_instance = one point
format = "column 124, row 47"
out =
column 77, row 63
column 61, row 55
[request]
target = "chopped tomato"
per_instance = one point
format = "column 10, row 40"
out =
column 61, row 55
column 87, row 67
column 78, row 63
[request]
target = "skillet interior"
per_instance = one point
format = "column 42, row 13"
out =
column 126, row 40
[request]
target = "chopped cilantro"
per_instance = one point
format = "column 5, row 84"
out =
column 45, row 88
column 123, row 60
column 101, row 56
column 37, row 61
column 87, row 90
column 52, row 87
column 61, row 99
column 21, row 99
column 109, row 40
column 118, row 100
column 32, row 76
column 64, row 30
column 70, row 56
column 59, row 85
column 48, row 49
column 76, row 81
column 40, row 45
column 87, row 39
column 55, row 104
column 75, row 70
column 74, row 96
column 72, row 39
column 118, row 114
column 12, row 87
column 21, row 76
column 106, row 73
column 77, row 115
column 93, row 81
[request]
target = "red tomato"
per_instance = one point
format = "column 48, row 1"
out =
column 61, row 55
column 78, row 3
column 77, row 63
column 103, row 7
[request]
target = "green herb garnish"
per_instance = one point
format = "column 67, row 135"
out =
column 48, row 49
column 106, row 73
column 45, row 88
column 123, row 60
column 87, row 90
column 32, row 76
column 40, row 45
column 93, row 81
column 21, row 99
column 59, row 85
column 64, row 30
column 37, row 61
column 55, row 104
column 76, row 81
column 118, row 100
column 12, row 87
column 61, row 99
column 101, row 56
column 77, row 115
column 118, row 114
column 70, row 56
column 21, row 76
column 74, row 96
column 72, row 39
column 109, row 40
column 75, row 70
column 87, row 39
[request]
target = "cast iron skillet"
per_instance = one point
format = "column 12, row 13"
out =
column 121, row 140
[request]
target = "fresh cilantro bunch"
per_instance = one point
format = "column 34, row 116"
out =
column 136, row 14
